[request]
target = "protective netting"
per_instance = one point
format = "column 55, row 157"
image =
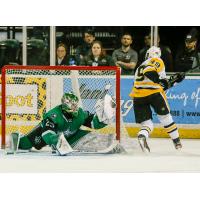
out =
column 31, row 92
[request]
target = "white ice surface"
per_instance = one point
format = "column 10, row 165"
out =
column 163, row 158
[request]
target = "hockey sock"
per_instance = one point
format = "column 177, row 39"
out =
column 146, row 128
column 24, row 143
column 172, row 130
column 169, row 125
column 144, row 131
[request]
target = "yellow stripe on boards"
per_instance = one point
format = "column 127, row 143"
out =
column 161, row 133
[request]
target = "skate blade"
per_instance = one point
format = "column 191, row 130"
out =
column 142, row 145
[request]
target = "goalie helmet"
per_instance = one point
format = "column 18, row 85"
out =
column 70, row 104
column 153, row 52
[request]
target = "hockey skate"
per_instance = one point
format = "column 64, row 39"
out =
column 143, row 143
column 177, row 143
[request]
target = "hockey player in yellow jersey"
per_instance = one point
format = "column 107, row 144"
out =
column 149, row 92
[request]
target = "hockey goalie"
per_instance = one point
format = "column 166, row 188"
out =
column 61, row 129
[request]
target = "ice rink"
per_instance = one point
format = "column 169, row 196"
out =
column 163, row 158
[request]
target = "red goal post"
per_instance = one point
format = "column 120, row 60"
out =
column 30, row 91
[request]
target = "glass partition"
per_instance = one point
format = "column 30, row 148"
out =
column 38, row 45
column 10, row 45
column 171, row 39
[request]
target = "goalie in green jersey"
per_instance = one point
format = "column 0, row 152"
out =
column 66, row 119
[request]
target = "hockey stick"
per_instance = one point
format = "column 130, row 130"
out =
column 190, row 70
column 66, row 150
column 174, row 78
column 114, row 148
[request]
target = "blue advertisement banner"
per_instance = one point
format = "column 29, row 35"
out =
column 183, row 98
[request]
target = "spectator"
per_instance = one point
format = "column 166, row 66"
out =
column 142, row 52
column 84, row 49
column 166, row 54
column 125, row 57
column 188, row 56
column 62, row 57
column 97, row 56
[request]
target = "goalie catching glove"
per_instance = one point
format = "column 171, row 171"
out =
column 105, row 109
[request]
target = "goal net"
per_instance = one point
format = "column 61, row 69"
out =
column 30, row 91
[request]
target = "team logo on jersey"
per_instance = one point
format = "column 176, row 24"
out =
column 157, row 64
column 38, row 139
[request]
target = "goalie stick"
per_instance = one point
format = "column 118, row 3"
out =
column 66, row 150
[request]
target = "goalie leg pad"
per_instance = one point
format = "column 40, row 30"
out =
column 93, row 142
column 19, row 141
column 62, row 147
column 14, row 138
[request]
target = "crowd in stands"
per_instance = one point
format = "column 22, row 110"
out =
column 90, row 52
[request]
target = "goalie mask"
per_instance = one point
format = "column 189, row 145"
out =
column 70, row 104
column 153, row 52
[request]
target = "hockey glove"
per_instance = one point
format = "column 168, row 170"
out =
column 165, row 83
column 177, row 78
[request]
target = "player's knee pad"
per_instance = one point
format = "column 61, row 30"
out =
column 146, row 128
column 50, row 137
column 165, row 119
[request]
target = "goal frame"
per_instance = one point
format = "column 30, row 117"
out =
column 12, row 67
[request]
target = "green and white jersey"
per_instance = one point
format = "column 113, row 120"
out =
column 70, row 125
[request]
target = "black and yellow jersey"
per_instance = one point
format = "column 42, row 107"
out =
column 144, row 86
